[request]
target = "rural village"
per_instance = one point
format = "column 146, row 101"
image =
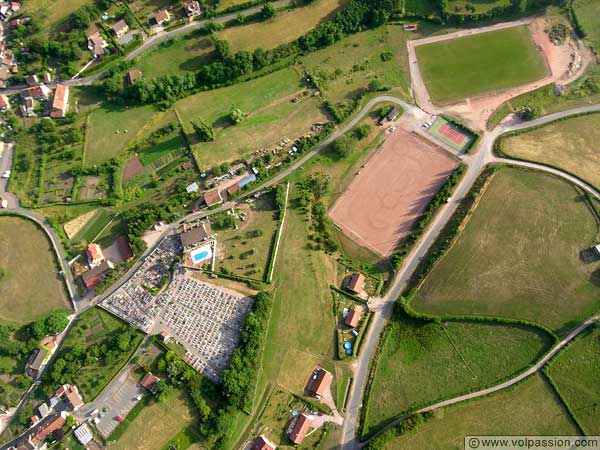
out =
column 312, row 224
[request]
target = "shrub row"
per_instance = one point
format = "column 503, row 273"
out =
column 442, row 196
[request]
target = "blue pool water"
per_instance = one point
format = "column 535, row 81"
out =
column 200, row 256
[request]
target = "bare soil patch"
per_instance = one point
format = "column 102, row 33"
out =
column 89, row 190
column 132, row 169
column 391, row 191
column 74, row 226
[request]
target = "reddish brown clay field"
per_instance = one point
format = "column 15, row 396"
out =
column 391, row 191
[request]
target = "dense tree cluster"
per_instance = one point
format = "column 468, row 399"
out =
column 239, row 379
column 229, row 66
column 74, row 358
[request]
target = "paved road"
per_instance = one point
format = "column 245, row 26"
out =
column 150, row 42
column 475, row 165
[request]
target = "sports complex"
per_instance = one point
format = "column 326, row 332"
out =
column 391, row 190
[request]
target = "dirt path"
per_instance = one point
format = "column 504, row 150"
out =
column 565, row 63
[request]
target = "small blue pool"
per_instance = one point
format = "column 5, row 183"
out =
column 200, row 256
column 348, row 348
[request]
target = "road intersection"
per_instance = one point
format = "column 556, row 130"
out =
column 475, row 165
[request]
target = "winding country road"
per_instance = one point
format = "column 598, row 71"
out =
column 475, row 165
column 152, row 41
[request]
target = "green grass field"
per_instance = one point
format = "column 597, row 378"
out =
column 92, row 327
column 184, row 55
column 111, row 129
column 473, row 65
column 588, row 14
column 51, row 13
column 346, row 67
column 481, row 6
column 422, row 362
column 529, row 408
column 30, row 286
column 285, row 27
column 575, row 372
column 94, row 226
column 245, row 251
column 271, row 116
column 162, row 148
column 165, row 419
column 519, row 255
column 569, row 144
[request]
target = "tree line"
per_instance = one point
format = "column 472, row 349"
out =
column 229, row 66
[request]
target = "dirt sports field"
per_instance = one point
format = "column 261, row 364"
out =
column 394, row 187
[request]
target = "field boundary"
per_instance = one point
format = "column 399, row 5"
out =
column 60, row 263
column 277, row 238
column 498, row 147
column 405, row 307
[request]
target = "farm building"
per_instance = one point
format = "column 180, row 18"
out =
column 299, row 427
column 149, row 382
column 83, row 434
column 319, row 382
column 391, row 115
column 353, row 317
column 191, row 238
column 36, row 362
column 355, row 283
column 212, row 197
column 96, row 43
column 40, row 434
column 60, row 103
column 262, row 443
column 94, row 277
column 132, row 76
column 192, row 8
column 40, row 92
column 162, row 16
column 120, row 28
column 31, row 80
column 192, row 187
column 94, row 255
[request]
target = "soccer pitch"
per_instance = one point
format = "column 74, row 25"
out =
column 469, row 66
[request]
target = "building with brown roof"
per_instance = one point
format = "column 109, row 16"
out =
column 262, row 443
column 212, row 197
column 162, row 16
column 319, row 382
column 132, row 76
column 40, row 92
column 48, row 428
column 149, row 382
column 195, row 236
column 94, row 277
column 73, row 398
column 31, row 80
column 36, row 362
column 233, row 189
column 96, row 43
column 353, row 317
column 120, row 28
column 356, row 283
column 297, row 432
column 60, row 103
column 192, row 8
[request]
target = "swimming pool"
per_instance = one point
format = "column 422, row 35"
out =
column 201, row 254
